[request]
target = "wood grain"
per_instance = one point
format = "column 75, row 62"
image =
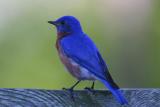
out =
column 58, row 98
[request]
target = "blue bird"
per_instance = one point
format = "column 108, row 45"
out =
column 81, row 57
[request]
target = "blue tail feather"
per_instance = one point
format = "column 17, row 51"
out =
column 116, row 92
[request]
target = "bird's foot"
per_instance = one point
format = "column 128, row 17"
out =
column 90, row 90
column 70, row 90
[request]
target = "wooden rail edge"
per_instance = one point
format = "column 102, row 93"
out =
column 60, row 98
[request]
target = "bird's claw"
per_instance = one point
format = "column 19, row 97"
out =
column 91, row 90
column 64, row 88
column 70, row 90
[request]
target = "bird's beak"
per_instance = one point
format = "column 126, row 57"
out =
column 53, row 23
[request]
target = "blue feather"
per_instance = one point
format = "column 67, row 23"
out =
column 83, row 51
column 115, row 92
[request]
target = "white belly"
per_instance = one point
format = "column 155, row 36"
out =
column 84, row 73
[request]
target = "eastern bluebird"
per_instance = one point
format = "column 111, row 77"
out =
column 81, row 57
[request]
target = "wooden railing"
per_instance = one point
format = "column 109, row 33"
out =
column 60, row 98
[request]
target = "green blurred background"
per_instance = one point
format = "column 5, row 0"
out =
column 127, row 33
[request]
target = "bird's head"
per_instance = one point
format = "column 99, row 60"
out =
column 67, row 25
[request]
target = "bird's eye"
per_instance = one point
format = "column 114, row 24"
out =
column 62, row 22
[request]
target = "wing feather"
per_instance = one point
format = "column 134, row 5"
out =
column 83, row 51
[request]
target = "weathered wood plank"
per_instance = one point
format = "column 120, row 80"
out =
column 58, row 98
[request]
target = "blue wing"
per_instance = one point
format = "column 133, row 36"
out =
column 82, row 50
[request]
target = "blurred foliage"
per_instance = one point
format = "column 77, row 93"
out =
column 28, row 58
